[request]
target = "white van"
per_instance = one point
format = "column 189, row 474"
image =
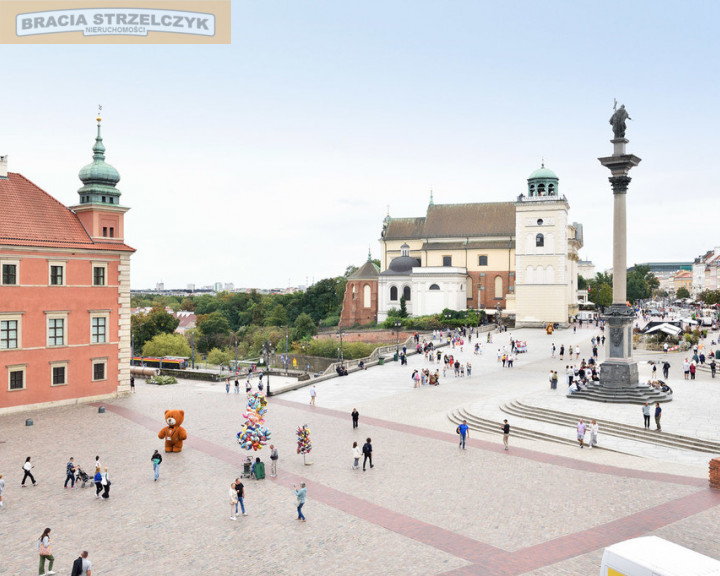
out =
column 653, row 556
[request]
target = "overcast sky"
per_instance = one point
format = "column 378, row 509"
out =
column 273, row 159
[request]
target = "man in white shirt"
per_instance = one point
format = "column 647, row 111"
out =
column 82, row 566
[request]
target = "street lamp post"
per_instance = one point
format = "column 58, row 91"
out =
column 287, row 342
column 340, row 333
column 236, row 361
column 398, row 324
column 192, row 340
column 498, row 318
column 267, row 350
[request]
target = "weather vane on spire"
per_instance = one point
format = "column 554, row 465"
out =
column 99, row 114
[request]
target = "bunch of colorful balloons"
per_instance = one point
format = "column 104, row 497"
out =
column 254, row 434
column 303, row 440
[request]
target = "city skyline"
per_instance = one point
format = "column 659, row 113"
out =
column 274, row 159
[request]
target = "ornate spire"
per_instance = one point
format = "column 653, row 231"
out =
column 99, row 178
column 369, row 255
column 432, row 202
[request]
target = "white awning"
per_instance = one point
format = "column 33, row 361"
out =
column 667, row 328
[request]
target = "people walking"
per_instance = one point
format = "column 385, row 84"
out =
column 273, row 461
column 233, row 500
column 237, row 385
column 464, row 431
column 45, row 550
column 581, row 428
column 26, row 468
column 240, row 491
column 357, row 453
column 658, row 414
column 301, row 495
column 132, row 384
column 666, row 370
column 70, row 473
column 227, row 385
column 105, row 483
column 594, row 428
column 646, row 415
column 156, row 460
column 355, row 415
column 506, row 433
column 98, row 482
column 554, row 380
column 367, row 453
column 313, row 395
column 82, row 566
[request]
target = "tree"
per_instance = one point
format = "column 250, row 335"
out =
column 167, row 345
column 304, row 326
column 213, row 324
column 582, row 283
column 403, row 308
column 277, row 316
column 682, row 292
column 145, row 326
column 219, row 357
column 604, row 296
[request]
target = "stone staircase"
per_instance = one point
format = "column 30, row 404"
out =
column 483, row 425
column 625, row 431
column 640, row 394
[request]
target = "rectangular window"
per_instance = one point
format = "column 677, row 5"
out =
column 447, row 260
column 9, row 274
column 112, row 232
column 9, row 334
column 482, row 260
column 59, row 375
column 57, row 274
column 56, row 332
column 98, row 330
column 104, row 231
column 17, row 378
column 98, row 370
column 99, row 275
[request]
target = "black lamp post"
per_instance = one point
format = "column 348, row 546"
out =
column 267, row 350
column 398, row 324
column 340, row 333
column 236, row 363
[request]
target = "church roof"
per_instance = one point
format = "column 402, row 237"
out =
column 29, row 216
column 457, row 220
column 367, row 271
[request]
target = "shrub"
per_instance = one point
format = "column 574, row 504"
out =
column 162, row 380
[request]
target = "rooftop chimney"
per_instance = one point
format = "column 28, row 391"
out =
column 3, row 166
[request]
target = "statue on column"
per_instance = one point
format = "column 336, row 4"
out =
column 617, row 120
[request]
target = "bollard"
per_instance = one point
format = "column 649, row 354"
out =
column 28, row 422
column 101, row 410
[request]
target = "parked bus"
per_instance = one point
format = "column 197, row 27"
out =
column 175, row 362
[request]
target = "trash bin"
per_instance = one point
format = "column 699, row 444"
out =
column 395, row 357
column 381, row 361
column 717, row 354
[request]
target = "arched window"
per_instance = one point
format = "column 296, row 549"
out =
column 434, row 287
column 532, row 190
column 393, row 293
column 551, row 189
column 529, row 275
column 498, row 287
column 366, row 296
column 353, row 292
column 539, row 240
column 469, row 288
column 549, row 275
column 541, row 189
column 406, row 293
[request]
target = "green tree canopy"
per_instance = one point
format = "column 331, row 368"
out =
column 145, row 326
column 219, row 357
column 304, row 326
column 167, row 345
column 682, row 292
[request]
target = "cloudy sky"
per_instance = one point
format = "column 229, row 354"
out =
column 273, row 160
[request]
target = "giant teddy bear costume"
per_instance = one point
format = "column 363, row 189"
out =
column 173, row 433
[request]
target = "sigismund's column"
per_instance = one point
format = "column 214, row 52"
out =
column 619, row 369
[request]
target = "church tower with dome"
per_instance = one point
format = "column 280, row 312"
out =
column 99, row 209
column 546, row 255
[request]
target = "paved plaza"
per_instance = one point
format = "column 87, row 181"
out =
column 427, row 508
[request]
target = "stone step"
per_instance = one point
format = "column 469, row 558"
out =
column 483, row 425
column 630, row 395
column 619, row 430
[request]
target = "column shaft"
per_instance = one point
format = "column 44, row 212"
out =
column 620, row 249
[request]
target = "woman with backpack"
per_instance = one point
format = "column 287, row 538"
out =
column 45, row 550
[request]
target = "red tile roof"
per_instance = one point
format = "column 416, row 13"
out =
column 29, row 216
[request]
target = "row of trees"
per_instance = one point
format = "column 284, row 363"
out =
column 230, row 323
column 640, row 285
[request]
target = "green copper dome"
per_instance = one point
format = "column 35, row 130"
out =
column 543, row 172
column 98, row 177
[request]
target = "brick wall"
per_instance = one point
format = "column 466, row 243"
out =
column 715, row 473
column 354, row 310
column 377, row 336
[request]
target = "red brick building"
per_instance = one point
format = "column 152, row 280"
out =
column 360, row 303
column 64, row 290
